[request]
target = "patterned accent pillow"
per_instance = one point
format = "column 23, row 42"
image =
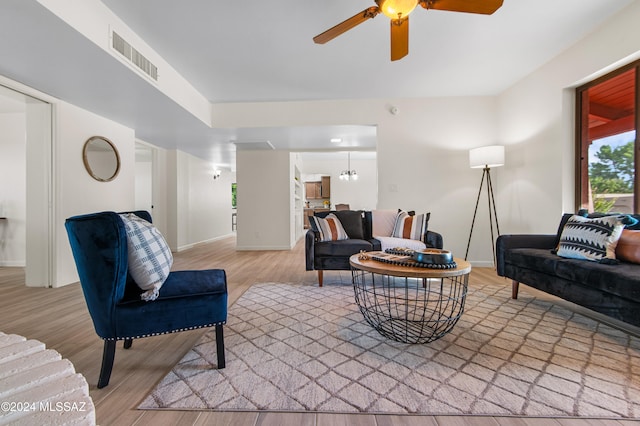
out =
column 328, row 228
column 150, row 258
column 411, row 226
column 590, row 239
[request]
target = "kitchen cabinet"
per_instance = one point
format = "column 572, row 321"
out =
column 325, row 187
column 317, row 190
column 312, row 190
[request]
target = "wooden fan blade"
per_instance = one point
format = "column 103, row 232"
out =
column 485, row 7
column 345, row 26
column 399, row 38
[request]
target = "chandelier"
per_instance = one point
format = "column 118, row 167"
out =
column 349, row 174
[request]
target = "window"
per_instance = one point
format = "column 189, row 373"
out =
column 606, row 123
column 234, row 194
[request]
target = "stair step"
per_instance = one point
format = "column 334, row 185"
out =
column 61, row 390
column 30, row 361
column 34, row 377
column 38, row 386
column 10, row 339
column 20, row 349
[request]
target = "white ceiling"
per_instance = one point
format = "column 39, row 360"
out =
column 238, row 51
column 248, row 51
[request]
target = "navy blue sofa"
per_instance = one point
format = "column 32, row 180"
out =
column 610, row 289
column 334, row 255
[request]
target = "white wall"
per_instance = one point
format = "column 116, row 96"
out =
column 422, row 153
column 200, row 206
column 361, row 194
column 144, row 181
column 13, row 189
column 160, row 190
column 40, row 255
column 189, row 206
column 536, row 122
column 96, row 21
column 264, row 200
column 76, row 191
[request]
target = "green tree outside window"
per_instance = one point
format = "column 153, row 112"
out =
column 613, row 173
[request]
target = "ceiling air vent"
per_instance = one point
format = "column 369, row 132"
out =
column 136, row 58
column 258, row 145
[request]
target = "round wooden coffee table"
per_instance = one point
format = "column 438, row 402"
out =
column 409, row 304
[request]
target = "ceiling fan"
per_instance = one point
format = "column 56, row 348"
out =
column 398, row 11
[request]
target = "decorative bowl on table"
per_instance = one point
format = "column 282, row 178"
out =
column 433, row 256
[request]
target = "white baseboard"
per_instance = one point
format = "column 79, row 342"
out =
column 482, row 264
column 12, row 263
column 192, row 245
column 262, row 248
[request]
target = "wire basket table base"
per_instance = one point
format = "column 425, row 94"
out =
column 410, row 309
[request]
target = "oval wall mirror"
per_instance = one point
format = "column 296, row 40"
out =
column 101, row 158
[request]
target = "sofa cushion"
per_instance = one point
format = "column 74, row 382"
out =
column 342, row 247
column 352, row 222
column 328, row 228
column 149, row 256
column 628, row 248
column 620, row 279
column 590, row 239
column 393, row 242
column 383, row 222
column 410, row 226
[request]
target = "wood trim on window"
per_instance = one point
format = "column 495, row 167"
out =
column 582, row 135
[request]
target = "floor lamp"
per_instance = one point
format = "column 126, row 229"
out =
column 485, row 158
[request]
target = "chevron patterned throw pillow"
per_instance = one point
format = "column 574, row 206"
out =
column 590, row 239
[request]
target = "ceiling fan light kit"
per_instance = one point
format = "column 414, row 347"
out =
column 398, row 11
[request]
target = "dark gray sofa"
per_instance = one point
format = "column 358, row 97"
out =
column 334, row 255
column 611, row 289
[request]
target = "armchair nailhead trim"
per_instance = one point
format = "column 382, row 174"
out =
column 165, row 332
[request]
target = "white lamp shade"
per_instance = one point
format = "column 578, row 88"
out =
column 486, row 156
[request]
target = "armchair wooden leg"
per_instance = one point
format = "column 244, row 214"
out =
column 128, row 343
column 108, row 354
column 320, row 277
column 514, row 289
column 220, row 346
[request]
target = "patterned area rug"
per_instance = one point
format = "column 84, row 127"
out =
column 303, row 348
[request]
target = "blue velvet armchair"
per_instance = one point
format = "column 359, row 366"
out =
column 187, row 299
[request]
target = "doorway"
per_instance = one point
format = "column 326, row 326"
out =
column 26, row 205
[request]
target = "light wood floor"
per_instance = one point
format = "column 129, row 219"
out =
column 59, row 318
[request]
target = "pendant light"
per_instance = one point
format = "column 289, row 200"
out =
column 349, row 174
